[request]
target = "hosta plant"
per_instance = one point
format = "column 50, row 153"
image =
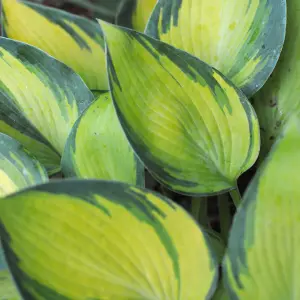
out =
column 91, row 112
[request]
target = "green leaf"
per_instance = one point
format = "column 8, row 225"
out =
column 104, row 240
column 74, row 40
column 98, row 148
column 135, row 13
column 242, row 39
column 8, row 290
column 278, row 100
column 189, row 125
column 40, row 100
column 262, row 260
column 18, row 169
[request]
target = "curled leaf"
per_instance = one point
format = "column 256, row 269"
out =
column 242, row 39
column 74, row 40
column 103, row 240
column 192, row 128
column 98, row 148
column 18, row 169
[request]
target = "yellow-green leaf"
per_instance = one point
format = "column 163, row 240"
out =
column 135, row 13
column 189, row 125
column 98, row 148
column 104, row 240
column 18, row 168
column 74, row 40
column 242, row 39
column 8, row 290
column 278, row 100
column 40, row 100
column 262, row 261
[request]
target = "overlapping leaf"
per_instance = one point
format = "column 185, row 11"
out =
column 263, row 255
column 242, row 39
column 98, row 148
column 278, row 100
column 103, row 240
column 190, row 126
column 40, row 99
column 18, row 169
column 74, row 40
column 135, row 13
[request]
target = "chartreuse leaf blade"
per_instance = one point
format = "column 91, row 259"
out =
column 74, row 40
column 236, row 37
column 189, row 125
column 262, row 257
column 98, row 148
column 7, row 288
column 135, row 14
column 40, row 98
column 278, row 100
column 18, row 169
column 103, row 240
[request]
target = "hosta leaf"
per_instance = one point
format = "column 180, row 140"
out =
column 98, row 148
column 40, row 99
column 262, row 260
column 74, row 40
column 103, row 240
column 242, row 39
column 135, row 13
column 8, row 290
column 18, row 169
column 279, row 98
column 190, row 126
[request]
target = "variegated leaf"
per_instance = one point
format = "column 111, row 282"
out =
column 242, row 39
column 74, row 40
column 98, row 148
column 40, row 100
column 193, row 129
column 278, row 100
column 262, row 257
column 104, row 240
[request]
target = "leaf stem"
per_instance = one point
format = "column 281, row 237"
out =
column 236, row 196
column 199, row 210
column 224, row 215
